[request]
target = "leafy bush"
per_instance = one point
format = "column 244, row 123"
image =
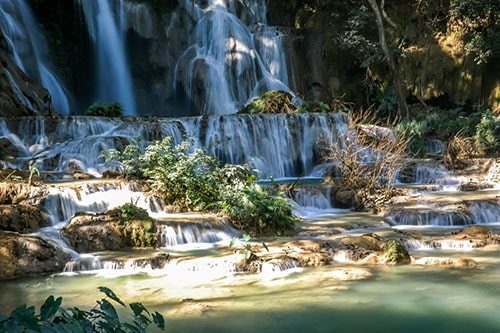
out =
column 488, row 132
column 259, row 210
column 102, row 318
column 129, row 212
column 194, row 181
column 111, row 110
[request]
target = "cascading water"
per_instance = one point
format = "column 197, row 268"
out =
column 106, row 26
column 222, row 69
column 29, row 51
column 277, row 146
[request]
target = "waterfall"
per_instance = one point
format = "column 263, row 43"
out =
column 275, row 145
column 106, row 27
column 29, row 51
column 222, row 69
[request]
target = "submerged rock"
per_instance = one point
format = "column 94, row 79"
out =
column 22, row 255
column 22, row 218
column 446, row 262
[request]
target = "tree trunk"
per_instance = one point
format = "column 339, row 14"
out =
column 398, row 82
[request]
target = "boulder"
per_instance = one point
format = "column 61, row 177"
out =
column 22, row 218
column 22, row 193
column 368, row 242
column 344, row 198
column 22, row 255
column 395, row 253
column 446, row 262
column 93, row 233
column 82, row 176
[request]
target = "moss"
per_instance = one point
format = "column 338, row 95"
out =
column 273, row 102
column 161, row 7
column 396, row 253
column 112, row 110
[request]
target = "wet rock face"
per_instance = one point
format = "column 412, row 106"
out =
column 22, row 255
column 92, row 233
column 7, row 149
column 22, row 218
column 19, row 95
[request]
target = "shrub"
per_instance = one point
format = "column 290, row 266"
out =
column 130, row 212
column 488, row 132
column 111, row 110
column 102, row 318
column 191, row 180
column 259, row 210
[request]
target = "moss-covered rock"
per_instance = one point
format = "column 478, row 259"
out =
column 396, row 253
column 271, row 102
column 114, row 230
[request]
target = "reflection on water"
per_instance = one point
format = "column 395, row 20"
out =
column 394, row 299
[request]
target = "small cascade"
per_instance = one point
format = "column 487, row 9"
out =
column 29, row 52
column 278, row 268
column 177, row 234
column 473, row 212
column 485, row 212
column 106, row 26
column 433, row 174
column 224, row 56
column 276, row 145
column 63, row 203
column 439, row 244
column 428, row 217
column 89, row 263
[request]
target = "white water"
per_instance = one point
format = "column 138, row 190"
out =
column 106, row 26
column 29, row 51
column 222, row 69
column 276, row 145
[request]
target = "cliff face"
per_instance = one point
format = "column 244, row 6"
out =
column 19, row 95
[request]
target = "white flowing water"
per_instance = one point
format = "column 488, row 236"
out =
column 106, row 24
column 276, row 145
column 222, row 69
column 29, row 52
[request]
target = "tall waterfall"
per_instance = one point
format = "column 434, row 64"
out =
column 106, row 26
column 29, row 50
column 223, row 69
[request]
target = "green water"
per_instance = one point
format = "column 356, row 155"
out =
column 393, row 299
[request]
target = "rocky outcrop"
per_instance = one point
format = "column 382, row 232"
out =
column 92, row 233
column 22, row 255
column 19, row 95
column 12, row 193
column 22, row 218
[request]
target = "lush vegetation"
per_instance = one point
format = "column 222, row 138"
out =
column 112, row 110
column 191, row 180
column 480, row 125
column 103, row 317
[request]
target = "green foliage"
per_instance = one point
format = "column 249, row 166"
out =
column 102, row 318
column 313, row 107
column 194, row 181
column 396, row 253
column 112, row 110
column 273, row 102
column 480, row 21
column 130, row 212
column 441, row 124
column 488, row 133
column 260, row 210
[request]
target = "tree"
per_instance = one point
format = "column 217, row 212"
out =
column 381, row 17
